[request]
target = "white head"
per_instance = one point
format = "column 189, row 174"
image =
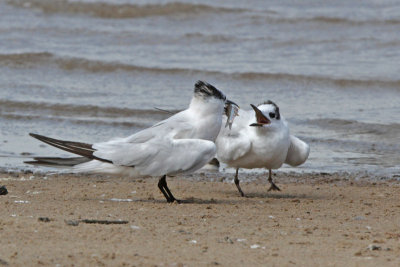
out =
column 267, row 115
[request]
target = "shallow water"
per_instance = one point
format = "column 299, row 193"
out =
column 91, row 70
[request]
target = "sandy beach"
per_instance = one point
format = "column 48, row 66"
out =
column 316, row 220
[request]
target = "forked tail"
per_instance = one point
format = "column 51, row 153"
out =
column 57, row 162
column 83, row 149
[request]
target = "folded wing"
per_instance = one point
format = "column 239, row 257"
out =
column 158, row 156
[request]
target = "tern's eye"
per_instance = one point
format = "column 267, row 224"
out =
column 272, row 115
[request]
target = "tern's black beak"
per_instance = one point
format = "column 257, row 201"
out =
column 260, row 117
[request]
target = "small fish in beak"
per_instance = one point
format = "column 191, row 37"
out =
column 260, row 117
column 231, row 111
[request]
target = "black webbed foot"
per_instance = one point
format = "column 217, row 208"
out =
column 274, row 187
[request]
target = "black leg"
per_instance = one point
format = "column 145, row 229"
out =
column 161, row 187
column 237, row 183
column 162, row 184
column 273, row 186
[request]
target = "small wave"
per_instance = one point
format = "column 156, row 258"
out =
column 70, row 63
column 31, row 110
column 118, row 11
column 213, row 38
column 352, row 123
column 25, row 59
column 390, row 44
column 325, row 20
column 336, row 20
column 339, row 82
column 385, row 132
column 83, row 121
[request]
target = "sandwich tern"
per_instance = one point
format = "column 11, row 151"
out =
column 260, row 138
column 183, row 143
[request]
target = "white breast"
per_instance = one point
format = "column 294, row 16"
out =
column 253, row 147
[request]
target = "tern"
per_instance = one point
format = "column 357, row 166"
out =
column 260, row 138
column 181, row 144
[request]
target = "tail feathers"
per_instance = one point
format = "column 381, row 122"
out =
column 82, row 149
column 298, row 152
column 58, row 162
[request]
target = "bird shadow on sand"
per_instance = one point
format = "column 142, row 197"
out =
column 251, row 197
column 190, row 200
column 233, row 198
column 193, row 200
column 274, row 195
column 282, row 196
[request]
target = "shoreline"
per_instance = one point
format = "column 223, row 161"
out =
column 328, row 220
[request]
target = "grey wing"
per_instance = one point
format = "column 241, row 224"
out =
column 162, row 149
column 298, row 152
column 181, row 156
column 123, row 153
column 176, row 125
column 160, row 156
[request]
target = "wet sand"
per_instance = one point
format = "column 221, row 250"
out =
column 316, row 220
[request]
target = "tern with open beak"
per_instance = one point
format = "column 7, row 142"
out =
column 260, row 138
